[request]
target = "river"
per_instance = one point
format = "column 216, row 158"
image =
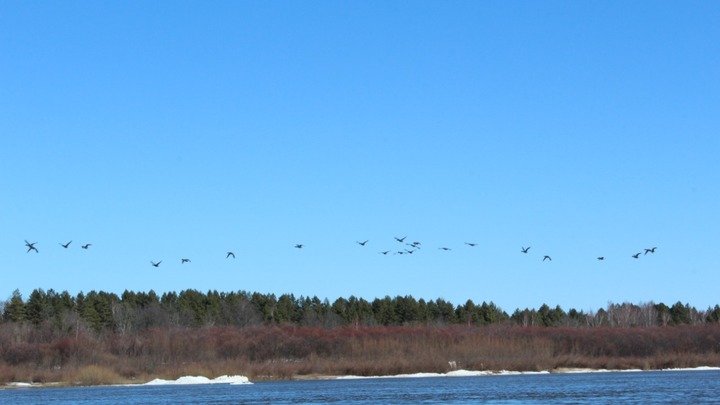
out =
column 697, row 386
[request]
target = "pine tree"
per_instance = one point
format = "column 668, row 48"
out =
column 15, row 308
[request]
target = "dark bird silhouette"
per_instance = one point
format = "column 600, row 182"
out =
column 385, row 252
column 445, row 248
column 651, row 250
column 471, row 244
column 601, row 258
column 155, row 264
column 230, row 254
column 414, row 245
column 401, row 240
column 31, row 246
column 525, row 249
column 636, row 255
column 184, row 261
column 409, row 251
column 361, row 243
column 85, row 246
column 299, row 246
column 65, row 245
column 546, row 257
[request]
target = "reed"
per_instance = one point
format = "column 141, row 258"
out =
column 96, row 375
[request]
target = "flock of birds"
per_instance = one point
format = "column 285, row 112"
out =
column 413, row 247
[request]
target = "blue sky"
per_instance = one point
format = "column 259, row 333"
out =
column 169, row 130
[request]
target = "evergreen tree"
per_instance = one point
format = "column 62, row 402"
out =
column 384, row 311
column 15, row 308
column 713, row 314
column 680, row 313
column 37, row 308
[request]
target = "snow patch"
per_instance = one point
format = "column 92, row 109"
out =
column 196, row 380
column 19, row 384
column 703, row 368
column 470, row 373
column 455, row 373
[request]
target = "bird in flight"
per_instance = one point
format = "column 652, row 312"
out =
column 85, row 246
column 651, row 250
column 299, row 246
column 155, row 264
column 636, row 256
column 601, row 258
column 444, row 248
column 184, row 261
column 525, row 249
column 401, row 240
column 410, row 251
column 384, row 253
column 31, row 246
column 471, row 244
column 362, row 243
column 65, row 245
column 230, row 254
column 547, row 258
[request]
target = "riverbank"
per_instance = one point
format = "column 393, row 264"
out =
column 272, row 353
column 242, row 380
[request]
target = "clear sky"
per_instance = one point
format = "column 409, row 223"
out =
column 173, row 129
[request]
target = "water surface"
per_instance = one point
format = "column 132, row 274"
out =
column 594, row 388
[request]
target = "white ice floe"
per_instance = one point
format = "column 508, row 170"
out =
column 703, row 368
column 455, row 373
column 470, row 373
column 190, row 380
column 20, row 384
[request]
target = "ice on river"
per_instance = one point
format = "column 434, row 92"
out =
column 188, row 380
column 455, row 373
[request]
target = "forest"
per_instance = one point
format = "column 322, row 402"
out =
column 102, row 338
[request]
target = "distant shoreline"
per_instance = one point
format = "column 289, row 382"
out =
column 242, row 380
column 288, row 352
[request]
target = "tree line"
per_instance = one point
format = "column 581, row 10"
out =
column 137, row 311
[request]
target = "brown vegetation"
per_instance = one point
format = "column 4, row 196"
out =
column 33, row 354
column 101, row 338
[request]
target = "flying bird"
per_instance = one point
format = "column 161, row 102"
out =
column 601, row 258
column 299, row 246
column 230, row 254
column 155, row 264
column 636, row 255
column 651, row 250
column 65, row 245
column 546, row 257
column 184, row 261
column 362, row 243
column 410, row 251
column 525, row 249
column 471, row 244
column 445, row 248
column 31, row 246
column 384, row 253
column 85, row 246
column 401, row 240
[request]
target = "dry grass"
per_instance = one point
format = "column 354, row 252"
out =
column 97, row 375
column 286, row 352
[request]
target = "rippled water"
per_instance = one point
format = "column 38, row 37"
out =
column 687, row 387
